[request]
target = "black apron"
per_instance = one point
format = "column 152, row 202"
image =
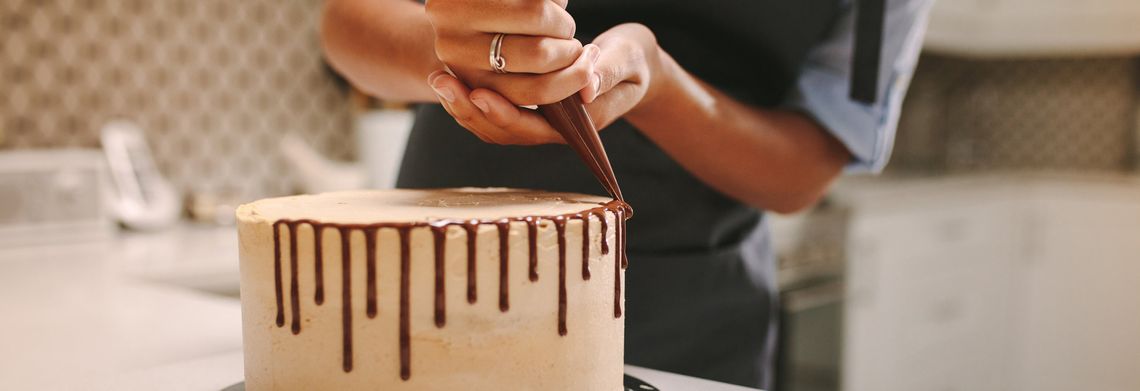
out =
column 700, row 298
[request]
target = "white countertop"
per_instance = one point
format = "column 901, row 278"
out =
column 137, row 313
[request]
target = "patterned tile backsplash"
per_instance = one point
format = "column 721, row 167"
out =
column 1052, row 114
column 215, row 83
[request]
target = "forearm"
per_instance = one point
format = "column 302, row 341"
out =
column 384, row 47
column 772, row 159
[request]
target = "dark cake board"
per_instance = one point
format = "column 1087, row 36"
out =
column 631, row 384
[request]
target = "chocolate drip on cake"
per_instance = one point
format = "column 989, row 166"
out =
column 532, row 243
column 277, row 273
column 472, row 228
column 605, row 231
column 405, row 323
column 618, row 231
column 370, row 270
column 625, row 214
column 560, row 226
column 439, row 235
column 294, row 296
column 585, row 217
column 504, row 227
column 346, row 295
column 319, row 264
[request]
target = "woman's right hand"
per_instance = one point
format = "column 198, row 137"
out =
column 544, row 62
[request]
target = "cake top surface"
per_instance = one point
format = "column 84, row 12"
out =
column 427, row 205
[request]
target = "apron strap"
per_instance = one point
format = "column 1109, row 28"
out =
column 869, row 15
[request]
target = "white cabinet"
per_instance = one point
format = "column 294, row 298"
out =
column 1080, row 322
column 1004, row 28
column 992, row 284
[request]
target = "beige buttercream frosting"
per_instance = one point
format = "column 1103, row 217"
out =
column 365, row 207
column 479, row 346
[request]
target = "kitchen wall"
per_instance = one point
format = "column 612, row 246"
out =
column 214, row 83
column 967, row 115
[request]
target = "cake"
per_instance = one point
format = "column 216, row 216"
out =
column 412, row 290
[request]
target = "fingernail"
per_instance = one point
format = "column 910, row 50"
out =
column 481, row 104
column 594, row 52
column 444, row 93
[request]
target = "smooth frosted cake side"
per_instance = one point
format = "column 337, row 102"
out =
column 409, row 290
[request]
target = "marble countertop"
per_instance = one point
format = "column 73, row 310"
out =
column 143, row 311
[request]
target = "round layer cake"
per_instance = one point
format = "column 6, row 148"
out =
column 449, row 289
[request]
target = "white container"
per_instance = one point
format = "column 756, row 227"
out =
column 53, row 196
column 382, row 136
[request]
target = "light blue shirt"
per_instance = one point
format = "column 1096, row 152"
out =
column 868, row 131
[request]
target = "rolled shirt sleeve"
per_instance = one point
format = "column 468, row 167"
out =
column 822, row 89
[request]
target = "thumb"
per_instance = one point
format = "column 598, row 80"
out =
column 612, row 67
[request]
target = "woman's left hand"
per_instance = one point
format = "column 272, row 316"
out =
column 627, row 70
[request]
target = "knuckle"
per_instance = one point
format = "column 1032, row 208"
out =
column 533, row 8
column 524, row 96
column 501, row 121
column 539, row 95
column 531, row 50
column 436, row 10
column 572, row 29
column 646, row 32
column 636, row 27
column 464, row 117
column 551, row 14
column 497, row 121
column 535, row 94
column 549, row 96
column 579, row 75
column 543, row 51
column 446, row 49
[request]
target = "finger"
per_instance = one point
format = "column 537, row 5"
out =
column 525, row 17
column 466, row 125
column 467, row 114
column 453, row 96
column 525, row 127
column 610, row 106
column 523, row 53
column 614, row 66
column 531, row 54
column 528, row 89
column 473, row 130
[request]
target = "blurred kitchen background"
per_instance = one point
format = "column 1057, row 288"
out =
column 999, row 251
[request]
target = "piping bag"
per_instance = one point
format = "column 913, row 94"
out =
column 570, row 118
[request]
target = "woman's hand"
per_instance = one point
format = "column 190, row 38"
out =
column 543, row 60
column 625, row 70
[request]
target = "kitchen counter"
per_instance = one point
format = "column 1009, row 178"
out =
column 83, row 316
column 143, row 311
column 224, row 370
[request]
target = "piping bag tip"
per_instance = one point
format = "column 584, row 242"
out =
column 570, row 118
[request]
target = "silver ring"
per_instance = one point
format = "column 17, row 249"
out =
column 498, row 63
